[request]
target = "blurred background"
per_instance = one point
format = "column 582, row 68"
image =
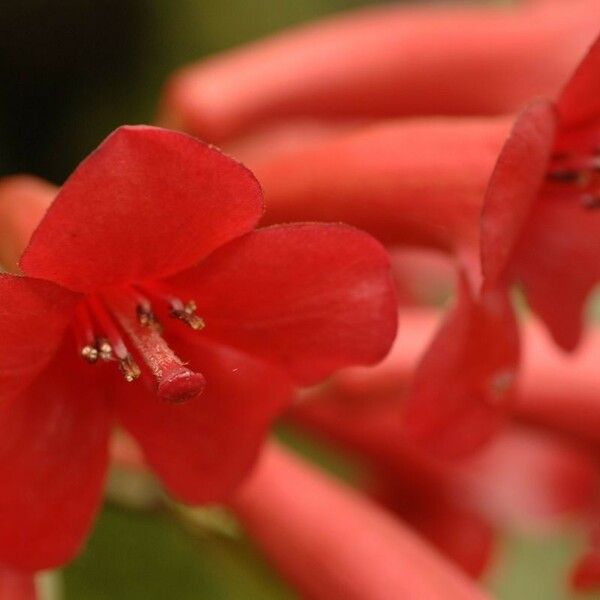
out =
column 70, row 72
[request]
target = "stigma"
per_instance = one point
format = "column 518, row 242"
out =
column 122, row 327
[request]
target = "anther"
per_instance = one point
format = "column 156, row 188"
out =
column 129, row 368
column 113, row 346
column 147, row 318
column 90, row 353
column 105, row 350
column 566, row 176
column 187, row 314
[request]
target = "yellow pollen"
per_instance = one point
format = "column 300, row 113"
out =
column 187, row 314
column 129, row 368
column 90, row 353
column 147, row 318
column 105, row 349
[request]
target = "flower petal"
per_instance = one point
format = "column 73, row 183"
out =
column 585, row 574
column 463, row 536
column 16, row 585
column 147, row 203
column 33, row 317
column 465, row 382
column 389, row 61
column 202, row 449
column 580, row 99
column 557, row 262
column 311, row 298
column 515, row 183
column 53, row 458
column 418, row 182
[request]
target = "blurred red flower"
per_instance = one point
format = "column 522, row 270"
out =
column 16, row 585
column 149, row 221
column 523, row 478
column 385, row 62
column 541, row 223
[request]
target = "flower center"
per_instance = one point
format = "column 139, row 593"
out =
column 114, row 326
column 580, row 172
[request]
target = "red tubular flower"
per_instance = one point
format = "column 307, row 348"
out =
column 585, row 575
column 417, row 182
column 522, row 477
column 386, row 61
column 541, row 226
column 557, row 391
column 23, row 202
column 15, row 585
column 331, row 543
column 148, row 222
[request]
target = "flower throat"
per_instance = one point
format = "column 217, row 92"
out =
column 104, row 322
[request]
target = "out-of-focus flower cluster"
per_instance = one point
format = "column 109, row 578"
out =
column 464, row 141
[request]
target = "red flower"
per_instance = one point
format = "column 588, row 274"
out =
column 332, row 543
column 16, row 585
column 153, row 230
column 523, row 478
column 541, row 223
column 386, row 62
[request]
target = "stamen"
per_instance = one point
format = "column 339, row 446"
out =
column 105, row 350
column 566, row 175
column 113, row 344
column 129, row 368
column 186, row 313
column 85, row 333
column 147, row 318
column 174, row 381
column 90, row 353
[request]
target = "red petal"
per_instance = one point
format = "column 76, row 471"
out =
column 147, row 203
column 203, row 448
column 464, row 384
column 408, row 183
column 23, row 202
column 53, row 457
column 386, row 62
column 16, row 585
column 33, row 317
column 580, row 100
column 463, row 536
column 558, row 263
column 585, row 576
column 312, row 298
column 332, row 543
column 513, row 189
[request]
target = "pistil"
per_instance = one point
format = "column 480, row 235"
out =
column 174, row 381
